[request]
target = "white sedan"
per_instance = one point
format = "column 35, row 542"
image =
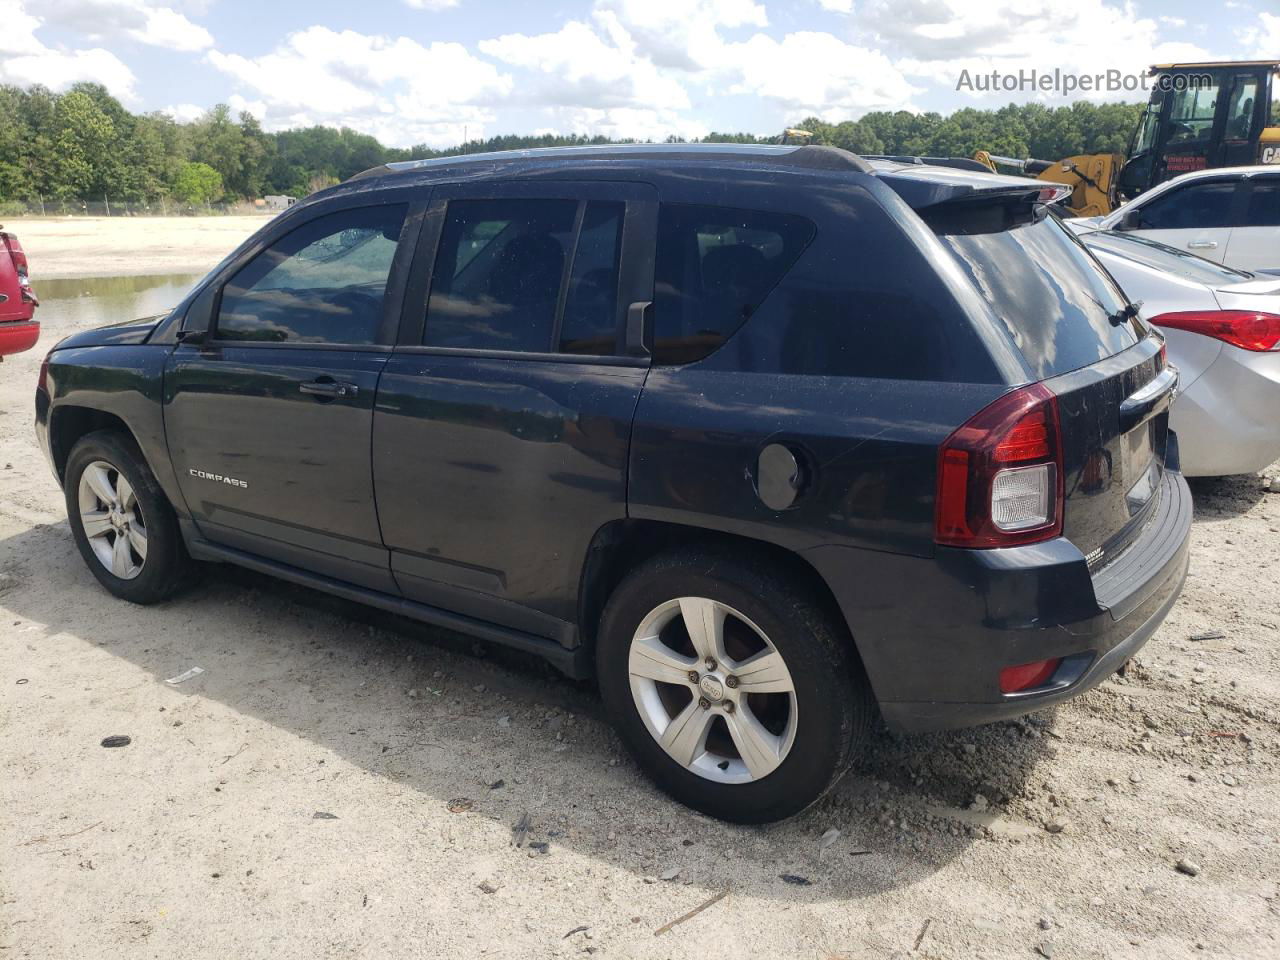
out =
column 1229, row 214
column 1223, row 333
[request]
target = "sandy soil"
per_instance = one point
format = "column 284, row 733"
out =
column 338, row 783
column 59, row 247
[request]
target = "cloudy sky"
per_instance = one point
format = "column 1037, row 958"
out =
column 414, row 71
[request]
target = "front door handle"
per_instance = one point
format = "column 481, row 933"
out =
column 1203, row 245
column 329, row 388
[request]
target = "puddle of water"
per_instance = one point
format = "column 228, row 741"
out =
column 70, row 305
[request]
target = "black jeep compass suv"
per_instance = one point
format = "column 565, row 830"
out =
column 769, row 440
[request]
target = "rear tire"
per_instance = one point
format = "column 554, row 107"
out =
column 121, row 520
column 771, row 722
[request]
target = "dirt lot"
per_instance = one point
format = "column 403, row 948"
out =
column 337, row 783
column 60, row 247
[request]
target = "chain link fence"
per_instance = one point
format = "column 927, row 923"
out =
column 108, row 207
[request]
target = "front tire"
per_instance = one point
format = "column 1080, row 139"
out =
column 121, row 520
column 736, row 692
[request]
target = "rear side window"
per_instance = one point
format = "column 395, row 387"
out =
column 715, row 265
column 528, row 276
column 1061, row 308
column 1197, row 206
column 1263, row 207
column 322, row 283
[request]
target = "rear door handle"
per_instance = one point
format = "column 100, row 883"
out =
column 329, row 388
column 1151, row 399
column 1203, row 245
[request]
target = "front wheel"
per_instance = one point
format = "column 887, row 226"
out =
column 123, row 525
column 735, row 691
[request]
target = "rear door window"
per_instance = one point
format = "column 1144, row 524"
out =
column 1263, row 206
column 1197, row 206
column 527, row 275
column 1061, row 308
column 715, row 266
column 496, row 282
column 321, row 283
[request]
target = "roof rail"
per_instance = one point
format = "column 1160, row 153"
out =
column 808, row 156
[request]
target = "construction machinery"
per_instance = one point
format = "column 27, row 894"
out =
column 1200, row 116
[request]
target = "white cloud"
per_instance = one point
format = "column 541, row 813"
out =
column 168, row 28
column 25, row 59
column 837, row 6
column 817, row 73
column 938, row 39
column 679, row 34
column 431, row 4
column 256, row 108
column 1176, row 22
column 19, row 34
column 629, row 72
column 140, row 20
column 637, row 123
column 576, row 66
column 184, row 112
column 397, row 89
column 1264, row 38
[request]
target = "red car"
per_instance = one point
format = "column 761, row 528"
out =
column 18, row 331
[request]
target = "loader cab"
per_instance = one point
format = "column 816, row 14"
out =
column 1200, row 116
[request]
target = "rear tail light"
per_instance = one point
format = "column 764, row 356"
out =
column 1246, row 329
column 1028, row 676
column 19, row 258
column 1000, row 475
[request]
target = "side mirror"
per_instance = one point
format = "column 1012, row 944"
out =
column 1132, row 220
column 193, row 338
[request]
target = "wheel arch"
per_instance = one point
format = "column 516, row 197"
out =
column 68, row 423
column 621, row 545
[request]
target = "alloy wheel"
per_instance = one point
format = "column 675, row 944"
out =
column 712, row 690
column 112, row 520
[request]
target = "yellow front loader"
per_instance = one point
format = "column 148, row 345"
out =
column 1200, row 116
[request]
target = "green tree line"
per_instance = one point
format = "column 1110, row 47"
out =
column 84, row 145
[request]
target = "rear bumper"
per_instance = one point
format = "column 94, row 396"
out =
column 1226, row 420
column 935, row 633
column 17, row 336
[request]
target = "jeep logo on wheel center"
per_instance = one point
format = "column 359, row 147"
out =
column 711, row 688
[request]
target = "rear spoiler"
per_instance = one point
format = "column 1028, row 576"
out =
column 959, row 163
column 925, row 186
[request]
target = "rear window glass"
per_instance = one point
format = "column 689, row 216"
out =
column 1160, row 256
column 1061, row 308
column 715, row 265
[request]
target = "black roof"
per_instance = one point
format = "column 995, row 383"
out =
column 916, row 180
column 804, row 157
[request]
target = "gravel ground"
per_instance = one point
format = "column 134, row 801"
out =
column 339, row 783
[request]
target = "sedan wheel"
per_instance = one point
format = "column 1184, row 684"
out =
column 713, row 690
column 112, row 520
